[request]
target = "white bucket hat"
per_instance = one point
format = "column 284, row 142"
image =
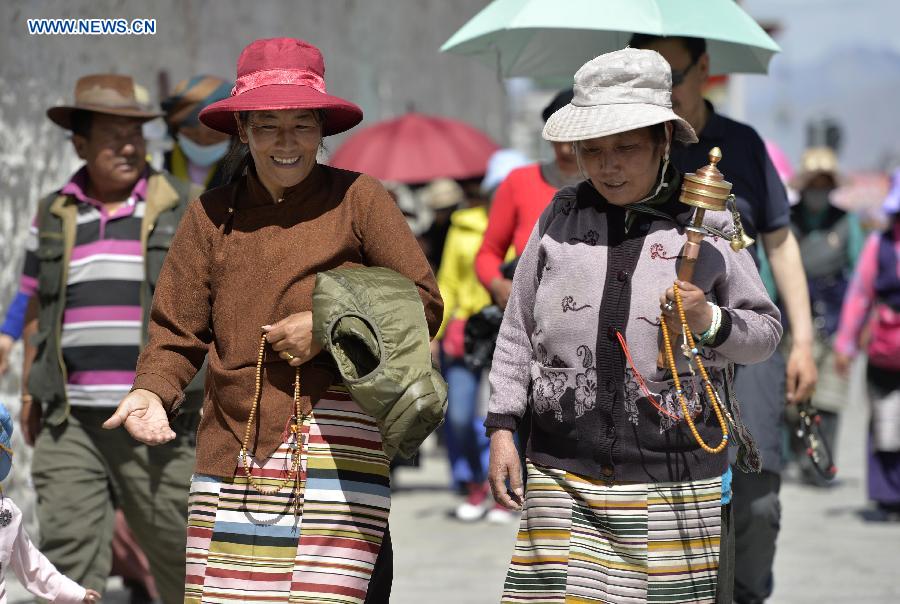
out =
column 617, row 92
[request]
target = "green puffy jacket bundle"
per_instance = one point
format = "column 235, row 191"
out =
column 372, row 321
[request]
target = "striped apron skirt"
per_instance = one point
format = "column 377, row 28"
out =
column 321, row 546
column 584, row 540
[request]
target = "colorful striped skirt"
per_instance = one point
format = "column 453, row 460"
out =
column 583, row 540
column 318, row 546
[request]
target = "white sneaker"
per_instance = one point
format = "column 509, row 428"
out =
column 469, row 512
column 500, row 515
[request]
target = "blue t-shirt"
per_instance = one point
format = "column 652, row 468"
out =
column 726, row 486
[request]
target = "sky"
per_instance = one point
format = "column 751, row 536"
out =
column 840, row 59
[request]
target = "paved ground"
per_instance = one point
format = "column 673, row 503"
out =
column 829, row 551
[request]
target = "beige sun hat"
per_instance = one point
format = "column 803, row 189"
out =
column 442, row 193
column 617, row 92
column 816, row 161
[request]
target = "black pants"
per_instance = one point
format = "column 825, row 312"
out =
column 725, row 576
column 757, row 519
column 383, row 574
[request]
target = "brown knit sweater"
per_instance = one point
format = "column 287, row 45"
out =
column 240, row 261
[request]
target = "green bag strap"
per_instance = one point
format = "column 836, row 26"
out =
column 856, row 239
column 765, row 272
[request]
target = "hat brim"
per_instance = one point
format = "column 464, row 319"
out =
column 801, row 181
column 62, row 115
column 574, row 123
column 340, row 115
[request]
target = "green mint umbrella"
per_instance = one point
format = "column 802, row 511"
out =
column 553, row 38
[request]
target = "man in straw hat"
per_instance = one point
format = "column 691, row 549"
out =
column 765, row 212
column 95, row 251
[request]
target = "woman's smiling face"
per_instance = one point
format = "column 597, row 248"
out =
column 283, row 144
column 623, row 167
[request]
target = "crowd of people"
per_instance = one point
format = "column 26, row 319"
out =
column 184, row 401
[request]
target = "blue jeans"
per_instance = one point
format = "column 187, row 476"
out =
column 467, row 446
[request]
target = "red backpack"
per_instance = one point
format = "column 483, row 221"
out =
column 884, row 345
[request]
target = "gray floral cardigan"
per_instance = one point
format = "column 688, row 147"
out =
column 582, row 278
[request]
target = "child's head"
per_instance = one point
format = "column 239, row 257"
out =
column 6, row 429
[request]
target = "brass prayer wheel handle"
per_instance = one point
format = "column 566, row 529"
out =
column 706, row 188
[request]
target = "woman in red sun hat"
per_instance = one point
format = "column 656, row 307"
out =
column 291, row 493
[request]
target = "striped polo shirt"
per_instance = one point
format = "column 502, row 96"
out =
column 101, row 330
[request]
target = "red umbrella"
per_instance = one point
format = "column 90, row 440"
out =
column 416, row 148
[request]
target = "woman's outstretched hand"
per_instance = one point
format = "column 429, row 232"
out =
column 143, row 415
column 292, row 338
column 505, row 464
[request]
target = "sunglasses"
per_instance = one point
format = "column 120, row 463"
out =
column 679, row 76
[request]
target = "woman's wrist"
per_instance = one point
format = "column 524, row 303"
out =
column 702, row 323
column 715, row 322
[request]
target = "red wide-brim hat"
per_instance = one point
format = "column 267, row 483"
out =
column 281, row 73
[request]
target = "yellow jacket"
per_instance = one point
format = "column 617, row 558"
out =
column 463, row 294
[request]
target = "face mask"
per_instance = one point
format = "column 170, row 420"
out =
column 203, row 155
column 816, row 200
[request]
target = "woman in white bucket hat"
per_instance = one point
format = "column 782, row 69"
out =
column 623, row 502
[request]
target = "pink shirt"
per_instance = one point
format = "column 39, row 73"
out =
column 860, row 296
column 34, row 571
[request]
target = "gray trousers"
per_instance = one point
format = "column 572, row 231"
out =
column 760, row 390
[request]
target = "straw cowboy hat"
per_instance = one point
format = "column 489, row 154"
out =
column 617, row 92
column 106, row 93
column 281, row 73
column 814, row 162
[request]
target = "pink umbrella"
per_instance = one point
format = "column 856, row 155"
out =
column 862, row 192
column 416, row 148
